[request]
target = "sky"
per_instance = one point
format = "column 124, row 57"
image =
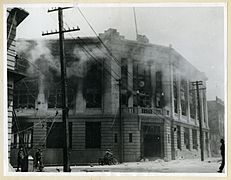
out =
column 196, row 32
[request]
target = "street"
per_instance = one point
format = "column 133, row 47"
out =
column 158, row 166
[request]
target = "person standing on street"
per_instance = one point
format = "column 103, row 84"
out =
column 38, row 160
column 20, row 159
column 222, row 149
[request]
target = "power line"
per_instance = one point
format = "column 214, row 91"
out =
column 92, row 56
column 108, row 50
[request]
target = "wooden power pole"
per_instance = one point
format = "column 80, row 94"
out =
column 66, row 155
column 197, row 83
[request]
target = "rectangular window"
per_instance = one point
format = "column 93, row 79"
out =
column 142, row 84
column 22, row 135
column 115, row 138
column 186, row 137
column 175, row 96
column 92, row 84
column 25, row 94
column 130, row 137
column 55, row 135
column 192, row 101
column 194, row 138
column 159, row 91
column 93, row 135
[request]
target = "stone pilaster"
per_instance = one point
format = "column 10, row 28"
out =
column 130, row 81
column 198, row 140
column 182, row 138
column 178, row 97
column 188, row 101
column 167, row 141
column 171, row 90
column 202, row 109
column 206, row 109
column 190, row 139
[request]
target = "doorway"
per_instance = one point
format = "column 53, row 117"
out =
column 151, row 141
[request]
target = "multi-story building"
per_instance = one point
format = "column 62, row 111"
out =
column 15, row 71
column 216, row 125
column 133, row 97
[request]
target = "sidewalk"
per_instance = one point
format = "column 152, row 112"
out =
column 158, row 166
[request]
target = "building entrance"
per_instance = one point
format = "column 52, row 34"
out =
column 151, row 141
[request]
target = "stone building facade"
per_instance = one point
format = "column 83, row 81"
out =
column 159, row 116
column 216, row 115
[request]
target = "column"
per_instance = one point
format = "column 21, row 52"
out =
column 206, row 109
column 130, row 82
column 173, row 141
column 204, row 141
column 190, row 139
column 209, row 150
column 153, row 83
column 167, row 141
column 182, row 138
column 171, row 90
column 178, row 96
column 188, row 101
column 198, row 140
column 202, row 108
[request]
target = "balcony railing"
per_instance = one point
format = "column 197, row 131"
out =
column 142, row 110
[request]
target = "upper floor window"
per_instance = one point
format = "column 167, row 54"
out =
column 175, row 94
column 92, row 85
column 124, row 77
column 142, row 84
column 192, row 101
column 159, row 95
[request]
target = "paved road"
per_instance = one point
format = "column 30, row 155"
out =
column 159, row 166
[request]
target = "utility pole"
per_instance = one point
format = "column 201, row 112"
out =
column 66, row 155
column 121, row 123
column 197, row 83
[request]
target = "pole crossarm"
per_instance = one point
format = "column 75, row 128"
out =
column 63, row 31
column 56, row 9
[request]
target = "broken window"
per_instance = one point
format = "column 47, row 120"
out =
column 25, row 93
column 159, row 98
column 93, row 135
column 175, row 96
column 192, row 101
column 92, row 85
column 124, row 83
column 142, row 85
